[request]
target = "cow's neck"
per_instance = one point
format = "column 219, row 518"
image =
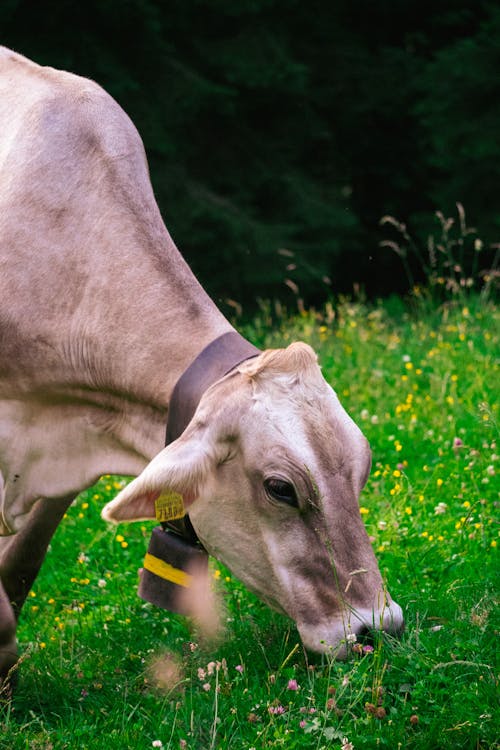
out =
column 221, row 356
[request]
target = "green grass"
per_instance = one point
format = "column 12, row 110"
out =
column 102, row 669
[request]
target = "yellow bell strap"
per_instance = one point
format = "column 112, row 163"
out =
column 166, row 571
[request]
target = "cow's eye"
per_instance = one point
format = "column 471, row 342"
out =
column 278, row 489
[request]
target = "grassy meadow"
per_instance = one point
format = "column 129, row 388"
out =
column 102, row 669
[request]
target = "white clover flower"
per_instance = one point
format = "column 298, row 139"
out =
column 440, row 509
column 351, row 638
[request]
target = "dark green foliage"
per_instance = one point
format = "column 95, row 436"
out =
column 275, row 125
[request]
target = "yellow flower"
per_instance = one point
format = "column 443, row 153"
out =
column 408, row 510
column 396, row 473
column 439, row 482
column 364, row 511
column 466, row 504
column 494, row 543
column 119, row 538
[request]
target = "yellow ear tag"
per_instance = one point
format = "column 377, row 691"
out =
column 169, row 506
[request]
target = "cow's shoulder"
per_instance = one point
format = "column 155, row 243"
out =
column 63, row 108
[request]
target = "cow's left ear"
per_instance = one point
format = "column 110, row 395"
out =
column 179, row 468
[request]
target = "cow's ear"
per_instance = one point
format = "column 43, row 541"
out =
column 179, row 469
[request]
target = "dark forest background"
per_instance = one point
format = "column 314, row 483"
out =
column 279, row 132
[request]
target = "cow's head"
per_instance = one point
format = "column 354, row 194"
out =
column 271, row 468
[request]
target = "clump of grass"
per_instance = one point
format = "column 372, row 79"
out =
column 452, row 260
column 103, row 668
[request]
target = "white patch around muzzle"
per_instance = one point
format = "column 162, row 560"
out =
column 335, row 637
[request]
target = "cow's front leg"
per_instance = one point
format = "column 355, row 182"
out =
column 8, row 646
column 21, row 557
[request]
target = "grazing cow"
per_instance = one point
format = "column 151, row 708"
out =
column 99, row 317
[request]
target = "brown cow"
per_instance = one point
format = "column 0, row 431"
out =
column 99, row 317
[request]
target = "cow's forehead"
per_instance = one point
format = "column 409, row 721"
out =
column 302, row 420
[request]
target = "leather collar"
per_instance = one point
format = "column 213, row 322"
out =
column 216, row 360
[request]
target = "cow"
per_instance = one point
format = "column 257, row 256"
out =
column 100, row 316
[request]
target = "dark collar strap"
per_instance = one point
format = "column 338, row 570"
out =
column 217, row 359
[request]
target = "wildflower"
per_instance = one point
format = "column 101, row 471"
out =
column 457, row 442
column 276, row 710
column 351, row 638
column 292, row 685
column 408, row 511
column 201, row 673
column 302, row 724
column 182, row 744
column 101, row 583
column 368, row 649
column 440, row 509
column 414, row 719
column 364, row 511
column 382, row 525
column 206, row 686
column 346, row 745
column 240, row 668
column 439, row 482
column 493, row 543
column 157, row 743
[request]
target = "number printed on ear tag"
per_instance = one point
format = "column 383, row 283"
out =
column 169, row 506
